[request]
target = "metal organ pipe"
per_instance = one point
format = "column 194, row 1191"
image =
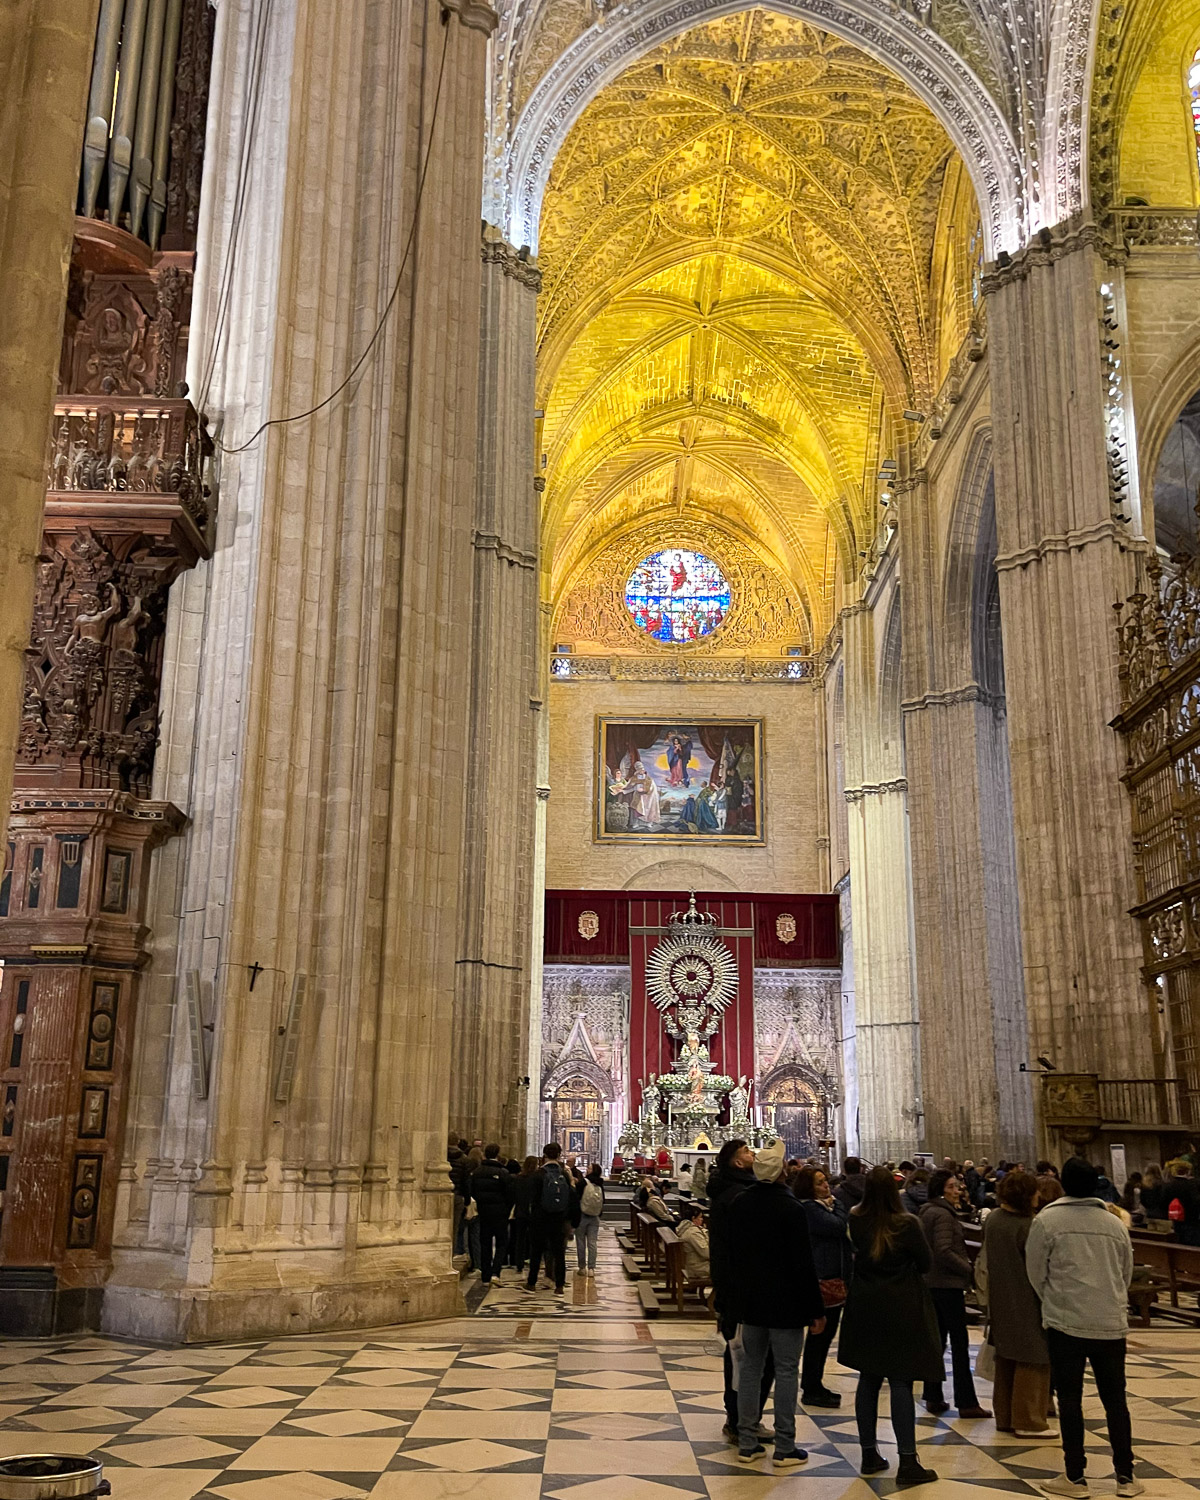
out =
column 120, row 151
column 100, row 101
column 143, row 138
column 162, row 128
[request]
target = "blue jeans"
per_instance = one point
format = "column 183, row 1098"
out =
column 587, row 1237
column 904, row 1412
column 785, row 1345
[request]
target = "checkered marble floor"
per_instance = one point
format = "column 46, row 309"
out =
column 525, row 1399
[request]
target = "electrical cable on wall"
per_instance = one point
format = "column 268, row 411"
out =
column 404, row 259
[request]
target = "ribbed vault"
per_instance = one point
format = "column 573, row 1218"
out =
column 739, row 297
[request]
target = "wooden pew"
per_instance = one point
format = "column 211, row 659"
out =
column 1172, row 1268
column 678, row 1283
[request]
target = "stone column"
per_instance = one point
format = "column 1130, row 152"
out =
column 45, row 61
column 1063, row 559
column 321, row 748
column 966, row 935
column 885, row 1014
column 492, row 982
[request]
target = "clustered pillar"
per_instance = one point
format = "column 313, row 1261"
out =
column 286, row 1157
column 492, row 983
column 1064, row 556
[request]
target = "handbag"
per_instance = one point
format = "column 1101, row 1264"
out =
column 472, row 1210
column 833, row 1291
column 985, row 1360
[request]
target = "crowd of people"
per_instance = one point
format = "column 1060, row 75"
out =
column 519, row 1216
column 796, row 1257
column 884, row 1254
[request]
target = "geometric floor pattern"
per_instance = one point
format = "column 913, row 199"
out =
column 527, row 1399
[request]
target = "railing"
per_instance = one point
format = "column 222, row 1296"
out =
column 1145, row 1102
column 116, row 444
column 1170, row 227
column 581, row 668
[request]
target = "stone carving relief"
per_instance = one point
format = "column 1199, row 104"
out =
column 795, row 1019
column 765, row 609
column 585, row 1011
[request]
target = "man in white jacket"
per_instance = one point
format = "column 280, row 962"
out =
column 1080, row 1261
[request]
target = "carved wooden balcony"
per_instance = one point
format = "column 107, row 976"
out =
column 124, row 465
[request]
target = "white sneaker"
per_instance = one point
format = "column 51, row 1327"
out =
column 1130, row 1487
column 1063, row 1486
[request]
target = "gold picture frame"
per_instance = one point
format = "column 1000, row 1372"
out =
column 684, row 780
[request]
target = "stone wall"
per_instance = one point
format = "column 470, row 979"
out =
column 791, row 858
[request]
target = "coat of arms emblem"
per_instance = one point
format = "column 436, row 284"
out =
column 785, row 927
column 589, row 925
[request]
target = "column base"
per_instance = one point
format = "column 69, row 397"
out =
column 200, row 1315
column 34, row 1305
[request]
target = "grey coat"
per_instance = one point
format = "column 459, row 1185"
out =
column 1014, row 1311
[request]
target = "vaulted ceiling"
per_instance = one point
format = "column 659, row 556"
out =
column 755, row 245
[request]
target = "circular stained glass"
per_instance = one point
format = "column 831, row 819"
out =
column 677, row 596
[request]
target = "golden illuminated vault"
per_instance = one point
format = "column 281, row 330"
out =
column 756, row 247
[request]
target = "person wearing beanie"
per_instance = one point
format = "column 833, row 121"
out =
column 1079, row 1260
column 775, row 1296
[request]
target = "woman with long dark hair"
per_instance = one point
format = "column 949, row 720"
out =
column 889, row 1328
column 834, row 1260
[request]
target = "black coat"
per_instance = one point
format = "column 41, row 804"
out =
column 833, row 1255
column 889, row 1327
column 774, row 1282
column 492, row 1190
column 951, row 1268
column 849, row 1192
column 725, row 1186
column 525, row 1194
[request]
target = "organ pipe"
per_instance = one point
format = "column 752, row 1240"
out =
column 143, row 136
column 162, row 128
column 100, row 101
column 120, row 151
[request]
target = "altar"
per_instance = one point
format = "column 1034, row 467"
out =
column 677, row 1023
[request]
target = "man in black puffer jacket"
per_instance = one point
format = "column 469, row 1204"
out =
column 728, row 1180
column 494, row 1191
column 775, row 1297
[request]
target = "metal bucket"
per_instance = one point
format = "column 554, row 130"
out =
column 51, row 1476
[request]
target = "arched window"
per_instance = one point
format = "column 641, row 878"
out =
column 1193, row 80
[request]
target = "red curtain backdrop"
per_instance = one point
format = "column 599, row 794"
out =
column 631, row 924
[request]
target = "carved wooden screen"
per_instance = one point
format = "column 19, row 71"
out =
column 1159, row 635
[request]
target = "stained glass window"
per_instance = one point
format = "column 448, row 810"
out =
column 677, row 596
column 1194, row 92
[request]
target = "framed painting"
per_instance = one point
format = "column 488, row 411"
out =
column 680, row 781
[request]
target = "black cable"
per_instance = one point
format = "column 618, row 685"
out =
column 391, row 302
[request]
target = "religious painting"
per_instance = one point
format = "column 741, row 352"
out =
column 680, row 781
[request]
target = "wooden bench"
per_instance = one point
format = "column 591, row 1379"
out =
column 1173, row 1268
column 677, row 1282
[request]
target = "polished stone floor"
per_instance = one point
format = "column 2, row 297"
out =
column 527, row 1398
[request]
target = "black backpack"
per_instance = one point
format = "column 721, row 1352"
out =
column 556, row 1190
